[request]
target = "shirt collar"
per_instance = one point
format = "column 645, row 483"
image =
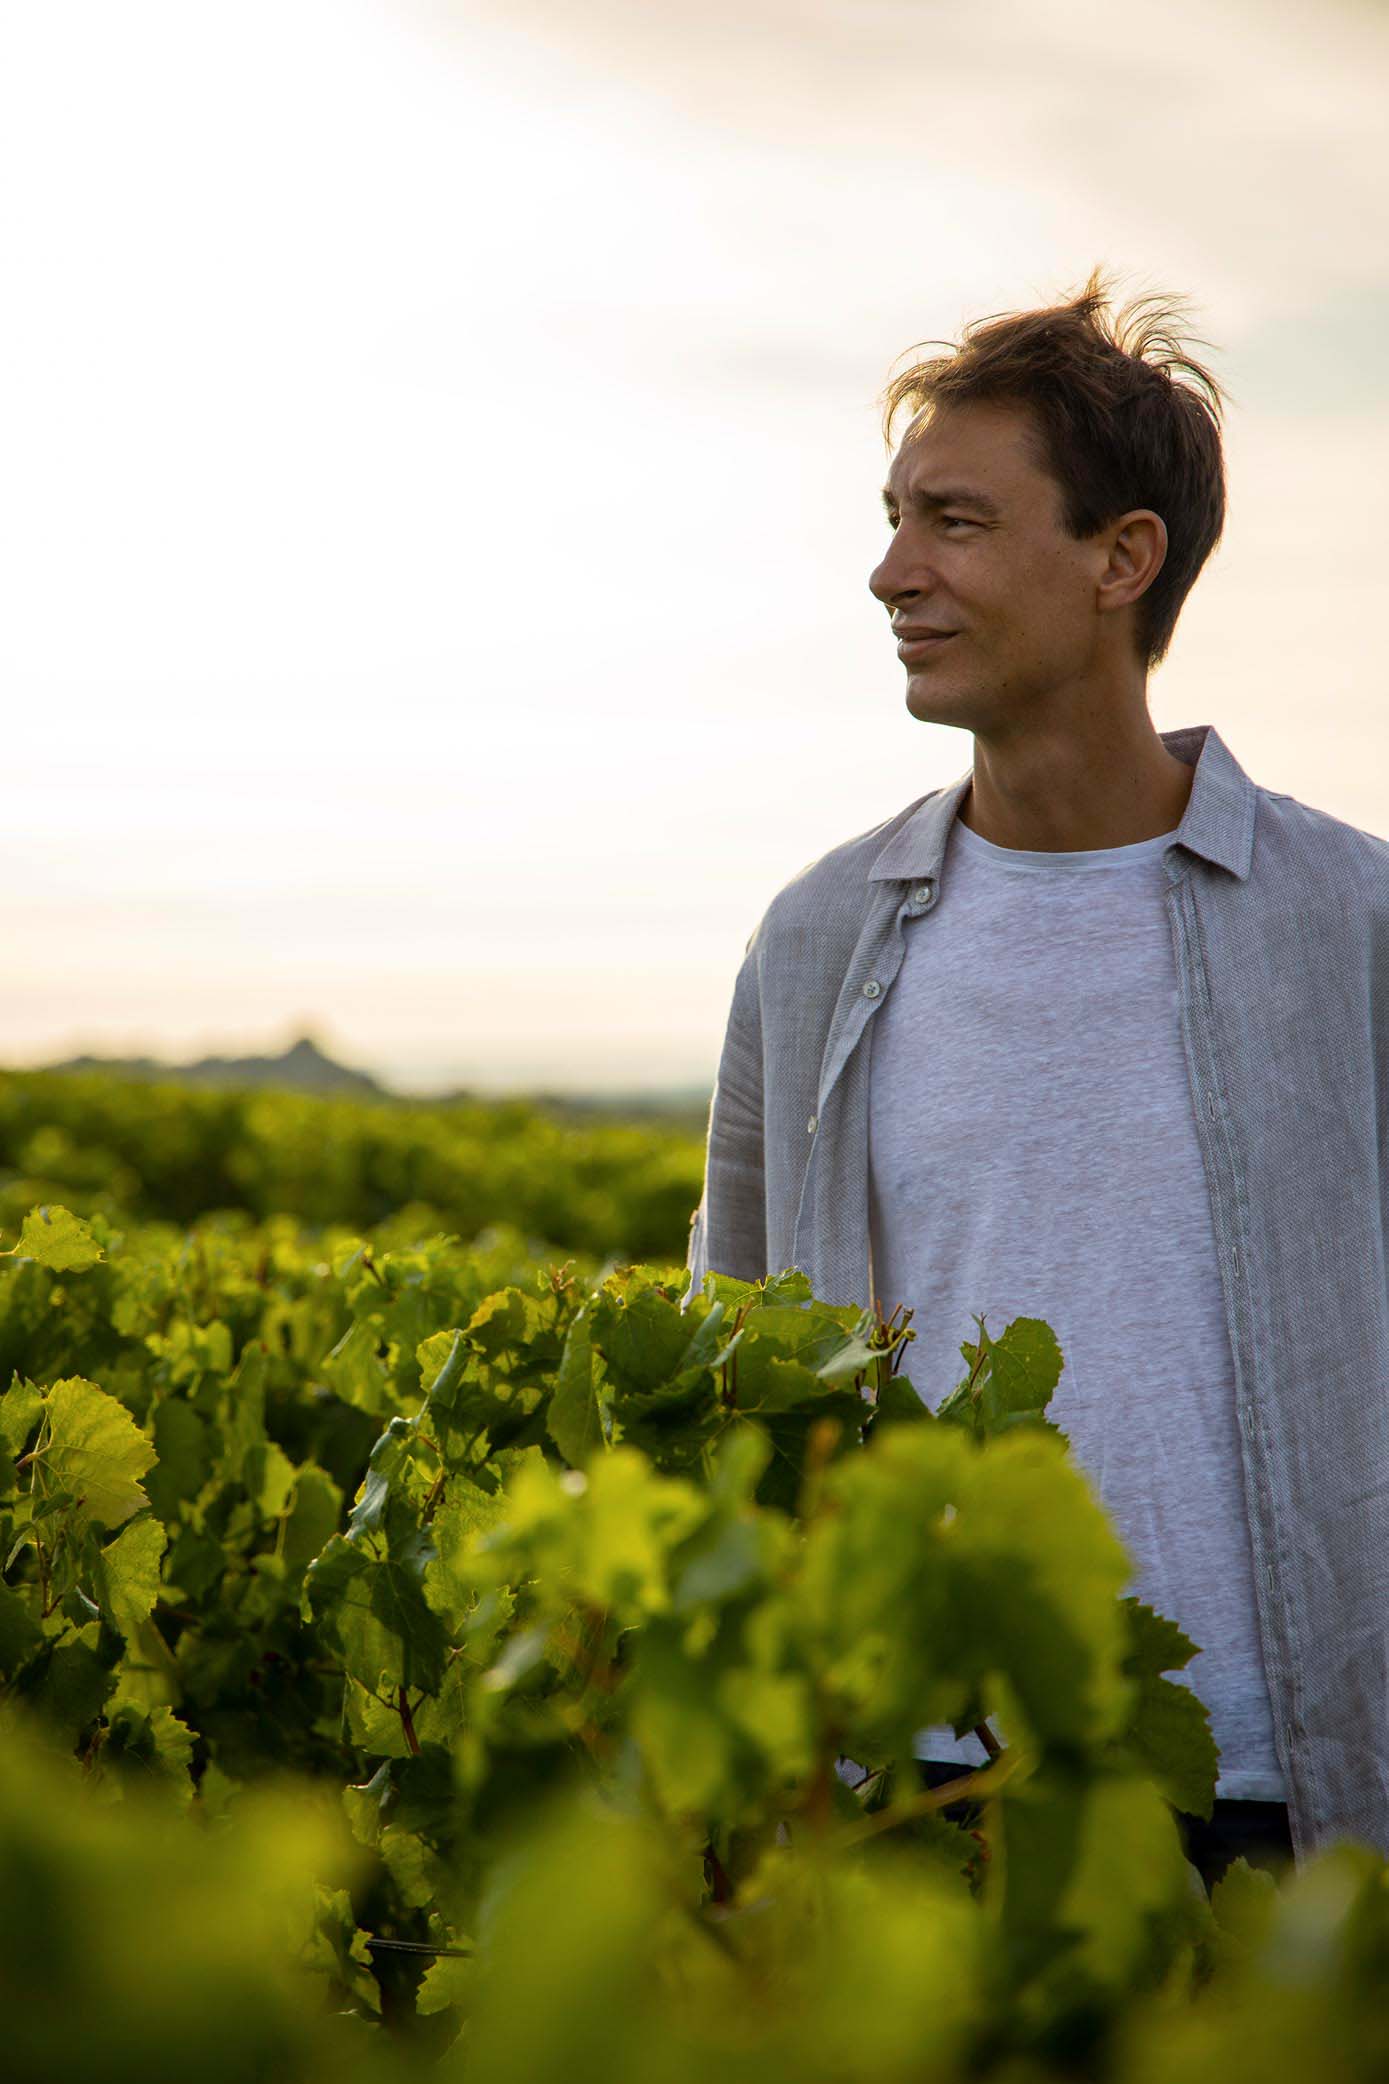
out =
column 1217, row 824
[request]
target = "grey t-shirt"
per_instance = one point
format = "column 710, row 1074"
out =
column 1032, row 1152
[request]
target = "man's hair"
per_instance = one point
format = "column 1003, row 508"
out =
column 1116, row 429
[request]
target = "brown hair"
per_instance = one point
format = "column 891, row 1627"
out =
column 1115, row 430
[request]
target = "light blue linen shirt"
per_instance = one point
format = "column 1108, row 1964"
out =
column 1280, row 923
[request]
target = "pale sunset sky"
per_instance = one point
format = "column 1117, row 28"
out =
column 440, row 476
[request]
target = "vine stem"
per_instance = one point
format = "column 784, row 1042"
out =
column 415, row 1946
column 436, row 1492
column 969, row 1785
column 716, row 1874
column 883, row 1338
column 407, row 1721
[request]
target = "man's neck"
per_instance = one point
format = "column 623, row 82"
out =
column 1071, row 792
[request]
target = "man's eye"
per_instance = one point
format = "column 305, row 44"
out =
column 947, row 521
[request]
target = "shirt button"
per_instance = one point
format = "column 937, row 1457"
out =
column 872, row 988
column 922, row 896
column 813, row 1124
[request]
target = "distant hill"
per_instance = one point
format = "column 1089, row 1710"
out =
column 302, row 1068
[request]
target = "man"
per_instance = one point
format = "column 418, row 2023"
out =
column 1098, row 1034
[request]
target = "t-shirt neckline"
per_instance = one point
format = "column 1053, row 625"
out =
column 1142, row 850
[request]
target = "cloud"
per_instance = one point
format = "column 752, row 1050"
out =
column 1203, row 126
column 1323, row 356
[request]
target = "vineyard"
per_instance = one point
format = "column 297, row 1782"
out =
column 433, row 1642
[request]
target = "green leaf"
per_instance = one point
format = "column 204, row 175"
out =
column 671, row 1424
column 707, row 1349
column 504, row 1321
column 423, row 1793
column 685, row 1742
column 642, row 1335
column 95, row 1452
column 127, row 1576
column 575, row 1416
column 776, row 1714
column 1244, row 1903
column 1012, row 1376
column 391, row 1455
column 268, row 1474
column 412, row 1866
column 1001, row 1575
column 20, row 1633
column 1170, row 1733
column 339, row 1949
column 781, row 1336
column 736, row 1466
column 1129, row 1871
column 472, row 1391
column 443, row 1361
column 631, row 1519
column 69, row 1687
column 1025, row 1366
column 312, row 1518
column 899, row 1404
column 244, row 1407
column 1042, row 1569
column 853, row 1355
column 57, row 1239
column 721, row 1559
column 524, row 1653
column 457, row 1405
column 182, row 1447
column 21, row 1406
column 446, row 1983
column 790, row 1286
column 375, row 1614
column 355, row 1371
column 789, row 1429
column 1171, row 1737
column 466, row 1511
column 147, row 1744
column 195, row 1563
column 1155, row 1643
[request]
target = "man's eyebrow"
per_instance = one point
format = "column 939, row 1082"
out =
column 948, row 496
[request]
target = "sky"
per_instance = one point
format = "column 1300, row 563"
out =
column 440, row 451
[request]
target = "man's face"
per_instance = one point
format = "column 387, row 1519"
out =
column 979, row 549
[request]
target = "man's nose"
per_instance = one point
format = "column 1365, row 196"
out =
column 898, row 576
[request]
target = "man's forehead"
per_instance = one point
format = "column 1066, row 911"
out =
column 982, row 444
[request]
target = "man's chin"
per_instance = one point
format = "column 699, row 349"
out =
column 933, row 700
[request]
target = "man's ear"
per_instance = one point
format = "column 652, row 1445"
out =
column 1137, row 553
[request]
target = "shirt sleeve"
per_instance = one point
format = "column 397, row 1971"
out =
column 728, row 1231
